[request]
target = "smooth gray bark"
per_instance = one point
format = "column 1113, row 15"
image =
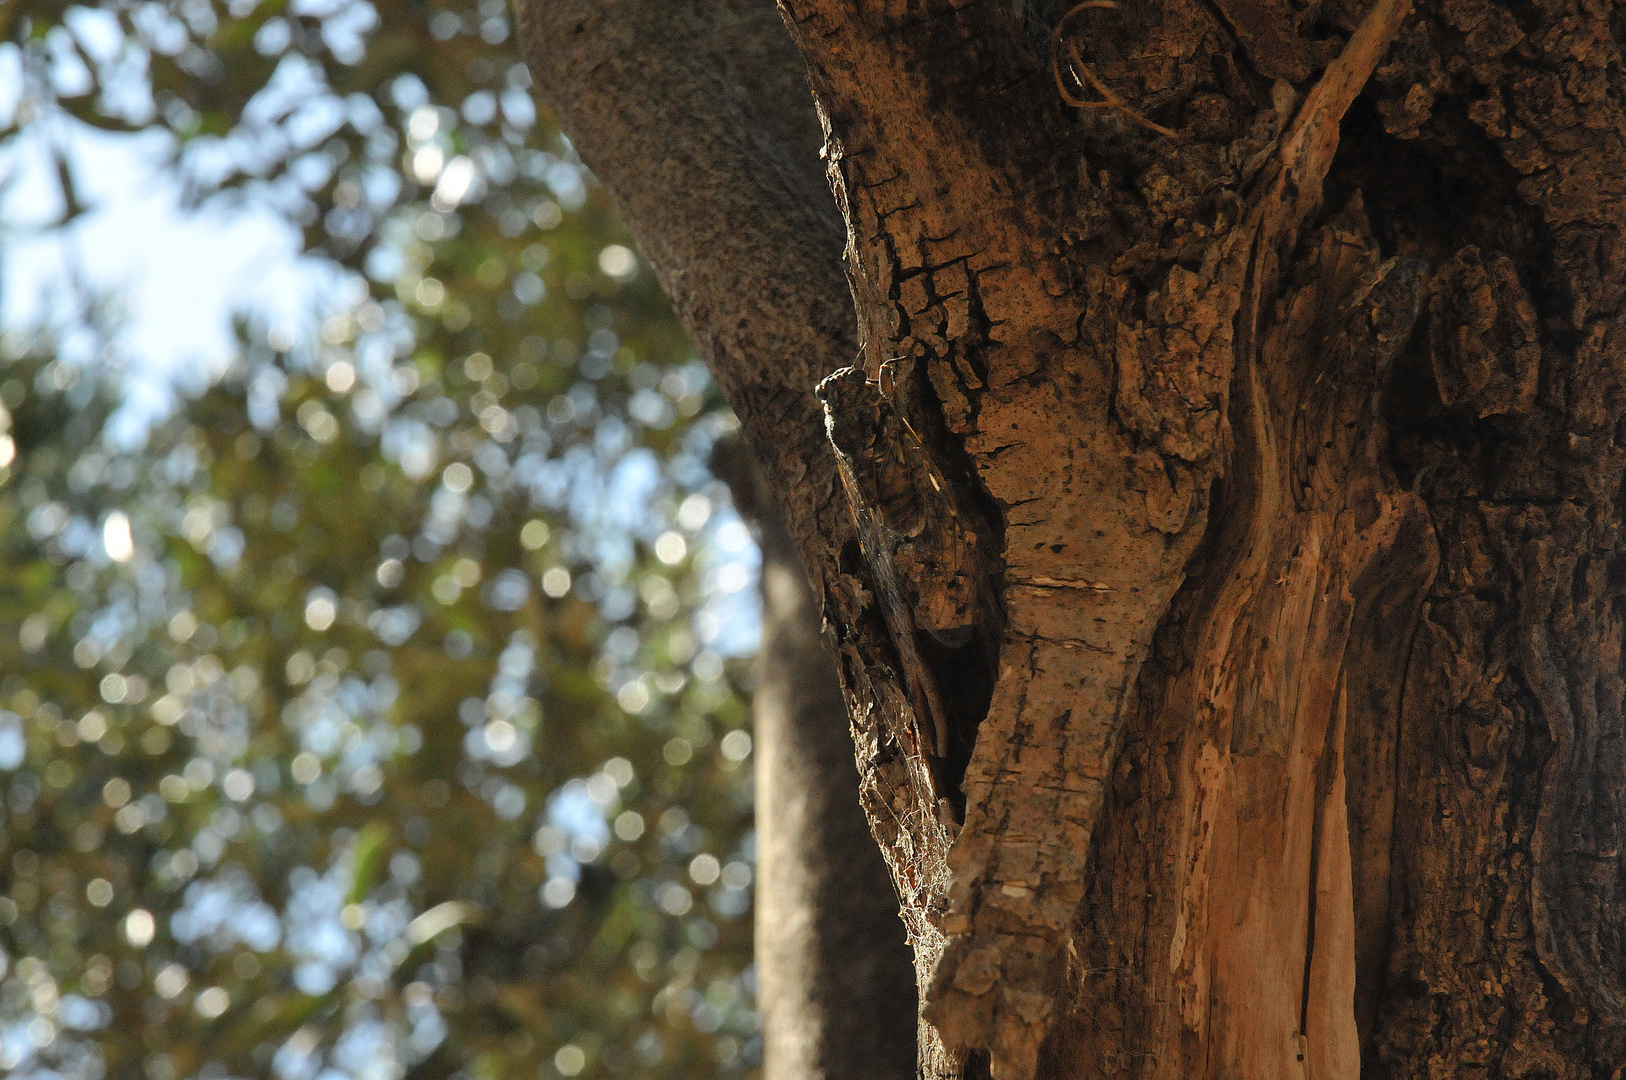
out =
column 695, row 116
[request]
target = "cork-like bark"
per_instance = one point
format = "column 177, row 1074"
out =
column 1219, row 529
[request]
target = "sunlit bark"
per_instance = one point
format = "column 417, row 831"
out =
column 1224, row 557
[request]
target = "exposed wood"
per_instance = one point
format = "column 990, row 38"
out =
column 1286, row 736
column 1231, row 894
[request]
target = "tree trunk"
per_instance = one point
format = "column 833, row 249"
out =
column 836, row 988
column 1220, row 526
column 697, row 118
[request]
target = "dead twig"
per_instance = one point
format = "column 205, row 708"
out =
column 1085, row 78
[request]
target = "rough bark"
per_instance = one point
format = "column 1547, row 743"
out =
column 1228, row 599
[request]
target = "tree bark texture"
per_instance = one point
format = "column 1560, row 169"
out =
column 1219, row 527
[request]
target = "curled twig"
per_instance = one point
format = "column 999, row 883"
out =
column 1085, row 79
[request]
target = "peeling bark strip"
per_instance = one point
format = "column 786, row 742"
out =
column 1286, row 736
column 1246, row 892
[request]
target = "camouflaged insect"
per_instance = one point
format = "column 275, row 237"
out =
column 915, row 534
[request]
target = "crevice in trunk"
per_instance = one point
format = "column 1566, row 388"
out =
column 966, row 662
column 931, row 553
column 965, row 678
column 1377, row 665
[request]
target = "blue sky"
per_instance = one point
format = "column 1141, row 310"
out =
column 177, row 275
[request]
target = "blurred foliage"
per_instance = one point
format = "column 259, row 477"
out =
column 379, row 716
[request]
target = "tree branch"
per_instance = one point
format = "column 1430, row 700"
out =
column 697, row 119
